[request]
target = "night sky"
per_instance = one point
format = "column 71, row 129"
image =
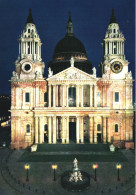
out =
column 90, row 21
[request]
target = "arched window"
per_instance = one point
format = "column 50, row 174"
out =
column 28, row 128
column 116, row 127
column 46, row 127
column 98, row 127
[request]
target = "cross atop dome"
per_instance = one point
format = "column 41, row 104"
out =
column 113, row 18
column 30, row 18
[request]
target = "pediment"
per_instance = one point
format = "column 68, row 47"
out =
column 72, row 73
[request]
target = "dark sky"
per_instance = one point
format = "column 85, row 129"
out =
column 90, row 20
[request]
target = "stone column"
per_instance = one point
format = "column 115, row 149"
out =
column 82, row 96
column 95, row 129
column 67, row 87
column 77, row 130
column 63, row 95
column 56, row 99
column 49, row 130
column 19, row 48
column 119, row 47
column 95, row 97
column 123, row 48
column 81, row 129
column 104, row 95
column 108, row 129
column 49, row 96
column 104, row 129
column 54, row 95
column 91, row 130
column 57, row 127
column 105, row 48
column 77, row 96
column 36, row 130
column 54, row 130
column 63, row 130
column 41, row 130
column 90, row 95
column 67, row 128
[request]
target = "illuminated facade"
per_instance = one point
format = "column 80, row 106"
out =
column 72, row 103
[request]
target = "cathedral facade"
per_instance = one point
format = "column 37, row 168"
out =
column 72, row 104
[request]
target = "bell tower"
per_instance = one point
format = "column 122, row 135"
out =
column 114, row 59
column 29, row 62
column 27, row 86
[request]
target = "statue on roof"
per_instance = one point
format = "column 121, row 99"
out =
column 50, row 72
column 72, row 62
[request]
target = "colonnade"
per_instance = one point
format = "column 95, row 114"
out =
column 58, row 95
column 110, row 45
column 30, row 47
column 53, row 128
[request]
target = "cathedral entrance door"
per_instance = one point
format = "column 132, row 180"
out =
column 72, row 131
column 99, row 137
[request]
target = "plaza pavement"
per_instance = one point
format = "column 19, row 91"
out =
column 13, row 176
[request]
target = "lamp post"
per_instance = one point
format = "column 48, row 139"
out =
column 95, row 166
column 54, row 167
column 118, row 167
column 27, row 167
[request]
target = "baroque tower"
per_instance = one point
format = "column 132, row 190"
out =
column 26, row 81
column 113, row 51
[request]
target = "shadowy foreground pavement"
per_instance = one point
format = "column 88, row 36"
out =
column 13, row 176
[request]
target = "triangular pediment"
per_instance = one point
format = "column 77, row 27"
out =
column 72, row 73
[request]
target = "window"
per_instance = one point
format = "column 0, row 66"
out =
column 27, row 97
column 114, row 30
column 46, row 127
column 28, row 128
column 28, row 30
column 116, row 96
column 98, row 127
column 45, row 97
column 116, row 127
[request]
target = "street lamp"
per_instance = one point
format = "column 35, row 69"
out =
column 118, row 167
column 95, row 166
column 54, row 167
column 27, row 167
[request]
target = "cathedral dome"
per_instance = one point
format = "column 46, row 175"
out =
column 69, row 47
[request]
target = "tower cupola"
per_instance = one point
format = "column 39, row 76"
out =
column 113, row 44
column 29, row 41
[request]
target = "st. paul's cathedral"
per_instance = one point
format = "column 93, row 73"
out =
column 72, row 104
